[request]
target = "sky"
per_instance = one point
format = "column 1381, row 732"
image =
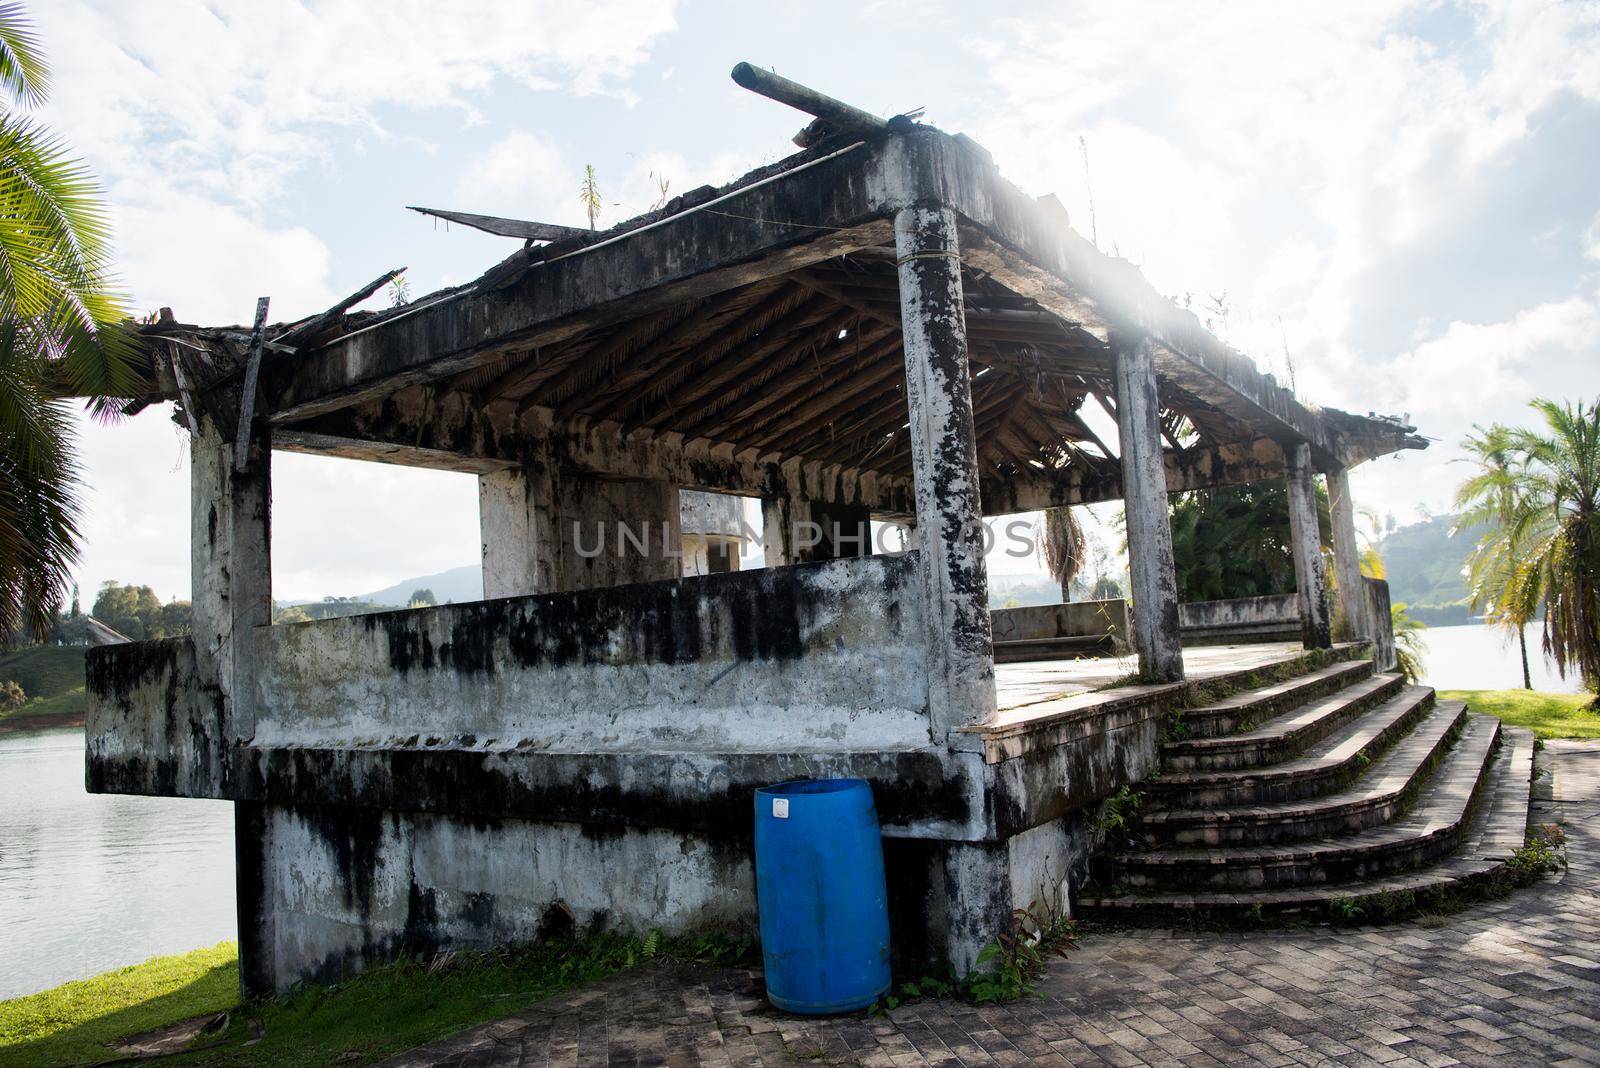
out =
column 1395, row 203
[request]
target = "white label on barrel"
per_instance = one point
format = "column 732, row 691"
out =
column 780, row 808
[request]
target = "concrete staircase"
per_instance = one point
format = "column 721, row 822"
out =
column 1338, row 793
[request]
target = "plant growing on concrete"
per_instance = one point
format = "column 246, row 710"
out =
column 1119, row 813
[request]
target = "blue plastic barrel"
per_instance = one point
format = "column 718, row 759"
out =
column 819, row 883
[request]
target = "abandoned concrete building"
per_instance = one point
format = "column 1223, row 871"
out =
column 878, row 327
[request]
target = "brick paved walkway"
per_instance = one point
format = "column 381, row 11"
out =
column 1515, row 981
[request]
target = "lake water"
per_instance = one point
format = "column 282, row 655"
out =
column 93, row 882
column 90, row 882
column 1476, row 657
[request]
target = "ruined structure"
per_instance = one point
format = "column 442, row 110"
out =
column 879, row 326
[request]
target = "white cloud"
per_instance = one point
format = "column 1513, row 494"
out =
column 234, row 96
column 185, row 252
column 1484, row 371
column 1300, row 158
column 200, row 120
column 522, row 175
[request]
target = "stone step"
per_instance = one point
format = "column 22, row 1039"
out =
column 1328, row 766
column 1434, row 827
column 1498, row 828
column 1381, row 793
column 1284, row 736
column 1249, row 708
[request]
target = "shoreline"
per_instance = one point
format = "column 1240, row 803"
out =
column 40, row 721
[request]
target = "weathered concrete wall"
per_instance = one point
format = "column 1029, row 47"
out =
column 1382, row 623
column 711, row 513
column 145, row 731
column 823, row 656
column 1241, row 619
column 1078, row 619
column 343, row 888
column 613, row 532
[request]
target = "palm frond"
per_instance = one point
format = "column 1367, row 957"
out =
column 23, row 70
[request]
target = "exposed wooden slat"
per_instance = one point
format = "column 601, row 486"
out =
column 786, row 305
column 773, row 398
column 494, row 224
column 710, row 320
column 811, row 320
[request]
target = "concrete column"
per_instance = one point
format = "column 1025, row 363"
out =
column 231, row 589
column 1347, row 557
column 516, row 522
column 944, row 463
column 778, row 515
column 1306, row 541
column 615, row 532
column 230, row 578
column 1144, row 493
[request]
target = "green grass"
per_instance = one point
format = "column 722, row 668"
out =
column 44, row 670
column 373, row 1015
column 71, row 1024
column 1549, row 715
column 50, row 675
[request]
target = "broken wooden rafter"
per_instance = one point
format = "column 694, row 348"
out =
column 252, row 371
column 525, row 229
column 308, row 333
column 832, row 115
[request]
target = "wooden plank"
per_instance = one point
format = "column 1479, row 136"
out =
column 247, row 405
column 307, row 333
column 500, row 227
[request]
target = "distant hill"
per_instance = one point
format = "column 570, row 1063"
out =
column 457, row 584
column 52, row 678
column 1425, row 566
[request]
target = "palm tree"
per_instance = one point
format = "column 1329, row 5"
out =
column 59, row 335
column 1541, row 497
column 1061, row 541
column 1487, row 502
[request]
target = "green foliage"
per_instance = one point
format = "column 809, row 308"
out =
column 61, row 333
column 137, row 613
column 1425, row 563
column 1174, row 728
column 1009, row 966
column 1345, row 910
column 1536, row 496
column 11, row 697
column 421, row 598
column 1409, row 646
column 1233, row 541
column 1539, row 855
column 1548, row 715
column 1119, row 813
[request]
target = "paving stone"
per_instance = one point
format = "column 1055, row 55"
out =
column 1507, row 982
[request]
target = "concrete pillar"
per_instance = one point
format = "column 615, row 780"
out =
column 1144, row 493
column 516, row 523
column 1306, row 542
column 777, row 530
column 613, row 532
column 1347, row 557
column 944, row 463
column 231, row 589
